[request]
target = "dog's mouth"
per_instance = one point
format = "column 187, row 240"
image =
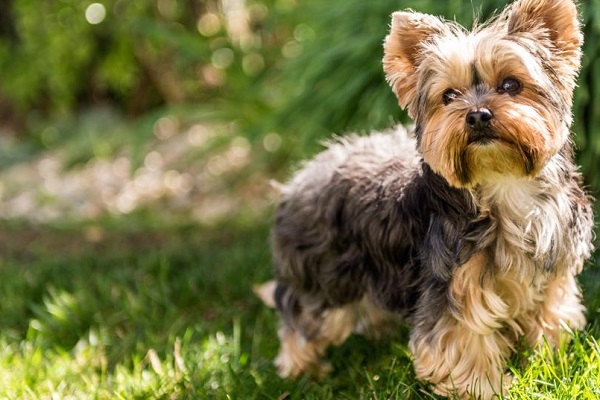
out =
column 483, row 137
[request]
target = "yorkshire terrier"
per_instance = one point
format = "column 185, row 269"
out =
column 472, row 228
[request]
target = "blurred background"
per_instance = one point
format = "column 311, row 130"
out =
column 138, row 139
column 190, row 107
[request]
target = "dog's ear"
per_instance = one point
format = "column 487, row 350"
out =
column 553, row 23
column 403, row 51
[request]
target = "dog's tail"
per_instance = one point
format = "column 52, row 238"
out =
column 266, row 292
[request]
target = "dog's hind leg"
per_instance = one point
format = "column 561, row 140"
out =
column 302, row 355
column 306, row 335
column 375, row 322
column 307, row 330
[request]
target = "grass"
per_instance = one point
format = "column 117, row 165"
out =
column 151, row 306
column 124, row 309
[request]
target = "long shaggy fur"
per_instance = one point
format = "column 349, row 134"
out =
column 474, row 242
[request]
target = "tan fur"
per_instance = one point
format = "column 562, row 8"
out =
column 560, row 311
column 299, row 355
column 409, row 31
column 466, row 351
column 557, row 22
column 491, row 308
column 266, row 292
column 453, row 358
column 529, row 225
column 477, row 301
column 445, row 135
column 420, row 44
column 467, row 348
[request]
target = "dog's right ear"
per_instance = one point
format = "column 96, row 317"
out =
column 402, row 50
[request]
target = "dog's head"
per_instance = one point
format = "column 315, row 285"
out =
column 493, row 103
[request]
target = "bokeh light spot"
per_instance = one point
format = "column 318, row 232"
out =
column 95, row 13
column 222, row 58
column 253, row 64
column 209, row 25
column 272, row 142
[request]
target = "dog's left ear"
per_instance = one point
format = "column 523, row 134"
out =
column 402, row 51
column 551, row 22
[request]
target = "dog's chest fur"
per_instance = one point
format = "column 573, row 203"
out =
column 527, row 225
column 532, row 235
column 540, row 223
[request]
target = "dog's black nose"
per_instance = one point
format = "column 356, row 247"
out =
column 479, row 119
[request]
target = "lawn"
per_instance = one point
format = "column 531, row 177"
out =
column 152, row 298
column 126, row 309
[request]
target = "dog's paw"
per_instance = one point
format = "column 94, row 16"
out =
column 290, row 367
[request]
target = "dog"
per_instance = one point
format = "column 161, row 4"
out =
column 472, row 227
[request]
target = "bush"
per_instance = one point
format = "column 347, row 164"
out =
column 135, row 55
column 337, row 83
column 302, row 69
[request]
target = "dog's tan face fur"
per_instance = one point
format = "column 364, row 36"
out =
column 450, row 79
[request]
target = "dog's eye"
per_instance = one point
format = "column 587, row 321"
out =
column 510, row 86
column 449, row 96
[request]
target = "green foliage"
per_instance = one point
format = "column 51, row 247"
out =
column 587, row 97
column 569, row 373
column 336, row 84
column 49, row 58
column 60, row 56
column 302, row 69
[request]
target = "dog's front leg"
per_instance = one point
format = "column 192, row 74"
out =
column 461, row 348
column 560, row 310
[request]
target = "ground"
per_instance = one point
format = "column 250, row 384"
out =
column 133, row 281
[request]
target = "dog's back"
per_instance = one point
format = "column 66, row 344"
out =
column 341, row 220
